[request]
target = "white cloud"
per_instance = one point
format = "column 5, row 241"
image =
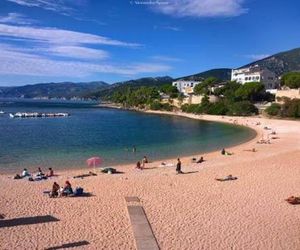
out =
column 257, row 56
column 52, row 5
column 18, row 61
column 202, row 8
column 63, row 53
column 78, row 52
column 166, row 58
column 58, row 36
column 15, row 18
column 173, row 28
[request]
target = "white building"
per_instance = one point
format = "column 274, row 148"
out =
column 255, row 74
column 185, row 87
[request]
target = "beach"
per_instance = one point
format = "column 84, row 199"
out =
column 188, row 211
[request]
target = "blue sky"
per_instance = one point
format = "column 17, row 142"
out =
column 116, row 40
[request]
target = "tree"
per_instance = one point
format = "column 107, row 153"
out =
column 242, row 108
column 169, row 89
column 291, row 80
column 228, row 90
column 249, row 91
column 274, row 109
column 203, row 88
column 291, row 108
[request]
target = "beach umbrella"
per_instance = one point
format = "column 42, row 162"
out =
column 94, row 161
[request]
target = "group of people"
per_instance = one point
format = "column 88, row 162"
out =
column 58, row 191
column 38, row 176
column 141, row 164
column 224, row 152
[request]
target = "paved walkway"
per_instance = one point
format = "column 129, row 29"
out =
column 142, row 231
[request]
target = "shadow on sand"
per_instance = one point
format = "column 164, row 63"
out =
column 27, row 221
column 69, row 245
column 191, row 172
column 82, row 195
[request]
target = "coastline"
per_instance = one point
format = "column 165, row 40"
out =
column 184, row 157
column 249, row 213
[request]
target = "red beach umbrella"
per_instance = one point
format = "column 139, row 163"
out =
column 94, row 161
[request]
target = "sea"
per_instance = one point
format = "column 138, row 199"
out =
column 112, row 134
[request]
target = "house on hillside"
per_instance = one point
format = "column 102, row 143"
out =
column 255, row 74
column 185, row 87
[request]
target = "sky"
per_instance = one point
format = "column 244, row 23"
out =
column 119, row 40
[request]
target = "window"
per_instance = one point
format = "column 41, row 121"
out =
column 192, row 84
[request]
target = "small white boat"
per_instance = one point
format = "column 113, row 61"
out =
column 2, row 112
column 35, row 114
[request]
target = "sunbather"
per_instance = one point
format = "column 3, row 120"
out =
column 138, row 165
column 200, row 160
column 25, row 173
column 144, row 161
column 227, row 178
column 67, row 189
column 224, row 152
column 85, row 175
column 293, row 200
column 55, row 190
column 51, row 173
column 40, row 172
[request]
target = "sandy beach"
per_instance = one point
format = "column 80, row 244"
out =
column 188, row 211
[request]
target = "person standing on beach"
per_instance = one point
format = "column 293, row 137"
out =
column 144, row 161
column 178, row 167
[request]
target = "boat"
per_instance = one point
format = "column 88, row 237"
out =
column 36, row 114
column 2, row 112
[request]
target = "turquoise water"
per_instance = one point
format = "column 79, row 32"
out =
column 108, row 133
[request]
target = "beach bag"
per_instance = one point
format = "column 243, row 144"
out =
column 79, row 191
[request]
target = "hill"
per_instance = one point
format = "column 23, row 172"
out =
column 223, row 74
column 280, row 63
column 52, row 90
column 121, row 86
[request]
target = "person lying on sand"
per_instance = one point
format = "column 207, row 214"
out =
column 108, row 170
column 85, row 175
column 251, row 150
column 25, row 173
column 293, row 200
column 164, row 164
column 200, row 160
column 227, row 178
column 262, row 141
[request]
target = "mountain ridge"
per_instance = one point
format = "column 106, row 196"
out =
column 280, row 63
